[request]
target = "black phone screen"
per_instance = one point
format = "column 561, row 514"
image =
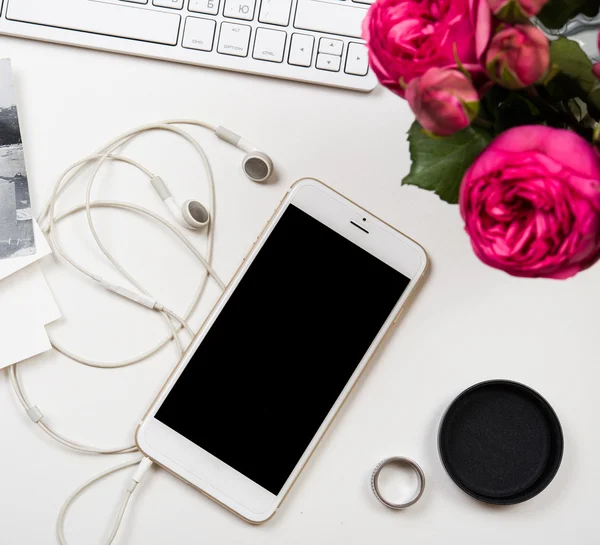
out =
column 282, row 349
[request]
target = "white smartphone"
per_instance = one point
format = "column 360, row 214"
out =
column 270, row 368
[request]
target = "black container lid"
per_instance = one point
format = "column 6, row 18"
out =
column 501, row 442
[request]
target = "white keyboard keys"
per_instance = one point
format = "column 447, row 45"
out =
column 357, row 60
column 121, row 20
column 264, row 41
column 301, row 50
column 342, row 18
column 175, row 4
column 364, row 1
column 275, row 12
column 269, row 45
column 234, row 39
column 328, row 62
column 210, row 7
column 239, row 9
column 199, row 33
column 332, row 47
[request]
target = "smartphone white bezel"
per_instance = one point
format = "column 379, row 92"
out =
column 200, row 468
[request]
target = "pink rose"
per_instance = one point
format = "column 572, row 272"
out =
column 443, row 100
column 408, row 37
column 531, row 203
column 516, row 10
column 518, row 56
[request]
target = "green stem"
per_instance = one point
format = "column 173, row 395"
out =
column 483, row 123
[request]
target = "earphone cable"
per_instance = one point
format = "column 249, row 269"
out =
column 143, row 465
column 49, row 216
column 48, row 220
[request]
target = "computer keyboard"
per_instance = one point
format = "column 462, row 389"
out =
column 315, row 41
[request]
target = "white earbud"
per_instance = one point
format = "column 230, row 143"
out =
column 191, row 214
column 256, row 164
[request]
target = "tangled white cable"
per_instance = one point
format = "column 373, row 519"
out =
column 193, row 215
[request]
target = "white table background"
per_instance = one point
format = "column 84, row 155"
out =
column 469, row 323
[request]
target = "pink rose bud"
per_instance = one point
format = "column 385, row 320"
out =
column 531, row 203
column 408, row 37
column 443, row 100
column 515, row 11
column 596, row 70
column 518, row 56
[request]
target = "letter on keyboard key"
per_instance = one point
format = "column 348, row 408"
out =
column 275, row 12
column 239, row 9
column 119, row 20
column 199, row 33
column 211, row 7
column 333, row 18
column 269, row 45
column 234, row 39
column 301, row 50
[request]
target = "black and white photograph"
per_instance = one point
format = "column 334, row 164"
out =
column 16, row 224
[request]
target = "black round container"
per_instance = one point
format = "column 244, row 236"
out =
column 501, row 442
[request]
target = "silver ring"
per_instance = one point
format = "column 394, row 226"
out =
column 402, row 461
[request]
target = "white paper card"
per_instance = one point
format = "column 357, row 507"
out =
column 25, row 341
column 27, row 305
column 39, row 295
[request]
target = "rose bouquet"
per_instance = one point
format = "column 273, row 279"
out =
column 507, row 123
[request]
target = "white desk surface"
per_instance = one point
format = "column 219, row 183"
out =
column 470, row 323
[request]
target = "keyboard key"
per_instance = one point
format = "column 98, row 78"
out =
column 343, row 18
column 363, row 1
column 301, row 50
column 210, row 7
column 239, row 9
column 328, row 62
column 199, row 33
column 136, row 1
column 234, row 39
column 275, row 12
column 332, row 47
column 123, row 20
column 175, row 4
column 269, row 45
column 357, row 62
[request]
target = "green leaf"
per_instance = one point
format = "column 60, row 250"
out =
column 513, row 13
column 472, row 109
column 556, row 13
column 575, row 109
column 576, row 71
column 439, row 164
column 573, row 61
column 578, row 108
